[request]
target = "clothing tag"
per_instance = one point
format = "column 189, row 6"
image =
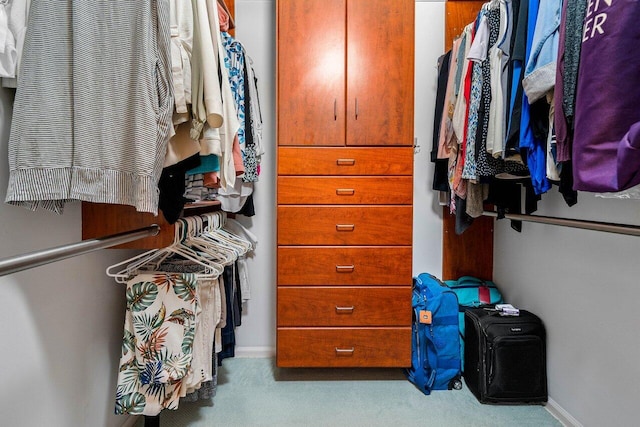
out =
column 425, row 317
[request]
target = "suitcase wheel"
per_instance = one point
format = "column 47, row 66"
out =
column 455, row 384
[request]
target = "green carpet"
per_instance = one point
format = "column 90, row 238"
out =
column 253, row 392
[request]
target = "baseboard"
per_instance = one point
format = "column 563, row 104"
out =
column 131, row 421
column 561, row 414
column 255, row 352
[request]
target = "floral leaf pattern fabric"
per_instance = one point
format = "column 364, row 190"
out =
column 141, row 295
column 157, row 353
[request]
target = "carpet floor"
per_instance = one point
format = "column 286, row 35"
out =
column 254, row 392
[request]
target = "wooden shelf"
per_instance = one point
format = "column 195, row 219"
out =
column 99, row 219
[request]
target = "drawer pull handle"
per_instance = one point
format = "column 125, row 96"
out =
column 345, row 351
column 345, row 268
column 345, row 227
column 346, row 162
column 344, row 310
column 345, row 191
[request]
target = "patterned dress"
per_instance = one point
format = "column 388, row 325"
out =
column 157, row 349
column 235, row 62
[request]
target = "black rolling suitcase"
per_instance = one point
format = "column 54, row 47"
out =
column 505, row 357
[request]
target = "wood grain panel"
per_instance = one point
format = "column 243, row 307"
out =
column 231, row 8
column 100, row 220
column 311, row 72
column 345, row 191
column 339, row 347
column 470, row 253
column 380, row 70
column 345, row 161
column 458, row 15
column 336, row 265
column 344, row 306
column 339, row 225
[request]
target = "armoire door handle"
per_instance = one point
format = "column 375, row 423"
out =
column 335, row 109
column 345, row 351
column 345, row 227
column 357, row 112
column 345, row 268
column 346, row 162
column 345, row 191
column 344, row 310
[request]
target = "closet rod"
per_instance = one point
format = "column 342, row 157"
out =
column 631, row 230
column 34, row 259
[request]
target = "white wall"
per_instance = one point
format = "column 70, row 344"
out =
column 427, row 214
column 60, row 324
column 584, row 285
column 255, row 28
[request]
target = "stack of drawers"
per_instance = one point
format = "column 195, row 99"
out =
column 344, row 256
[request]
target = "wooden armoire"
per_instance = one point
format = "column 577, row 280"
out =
column 345, row 110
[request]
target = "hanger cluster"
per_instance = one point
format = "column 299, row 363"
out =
column 201, row 241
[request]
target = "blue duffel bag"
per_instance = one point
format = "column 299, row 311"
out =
column 436, row 363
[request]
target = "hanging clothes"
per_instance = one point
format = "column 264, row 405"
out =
column 606, row 147
column 8, row 52
column 75, row 136
column 181, row 316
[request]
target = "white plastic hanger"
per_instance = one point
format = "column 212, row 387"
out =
column 195, row 240
column 215, row 232
column 150, row 260
column 226, row 254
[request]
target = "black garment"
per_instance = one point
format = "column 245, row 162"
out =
column 248, row 209
column 172, row 187
column 566, row 184
column 233, row 304
column 576, row 11
column 463, row 220
column 506, row 196
column 250, row 157
column 515, row 11
column 440, row 178
column 237, row 298
column 539, row 119
column 512, row 145
column 228, row 332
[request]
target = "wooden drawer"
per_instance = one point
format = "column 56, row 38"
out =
column 343, row 347
column 396, row 190
column 336, row 265
column 344, row 225
column 345, row 161
column 344, row 306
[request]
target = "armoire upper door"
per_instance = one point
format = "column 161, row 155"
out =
column 380, row 72
column 345, row 72
column 311, row 72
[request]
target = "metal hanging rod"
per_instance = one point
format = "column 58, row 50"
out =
column 34, row 259
column 631, row 230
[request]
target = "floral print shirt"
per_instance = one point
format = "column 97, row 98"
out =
column 159, row 330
